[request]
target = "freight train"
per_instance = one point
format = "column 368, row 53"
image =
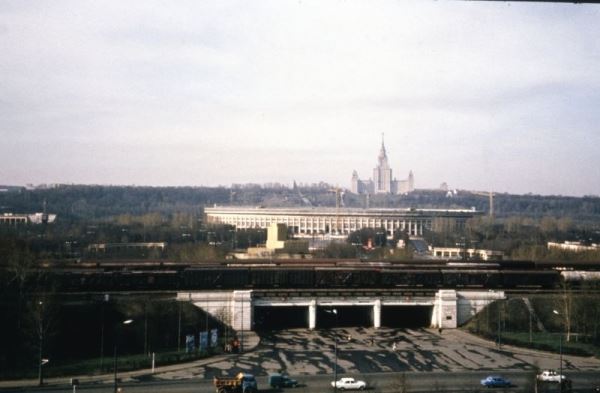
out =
column 304, row 274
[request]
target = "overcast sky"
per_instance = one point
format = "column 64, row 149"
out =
column 500, row 96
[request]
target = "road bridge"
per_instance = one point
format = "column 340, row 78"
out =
column 259, row 309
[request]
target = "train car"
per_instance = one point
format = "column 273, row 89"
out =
column 569, row 265
column 544, row 279
column 214, row 278
column 267, row 278
column 291, row 277
column 301, row 278
column 470, row 278
column 77, row 281
column 345, row 278
column 152, row 280
column 426, row 278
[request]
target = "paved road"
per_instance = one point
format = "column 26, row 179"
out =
column 423, row 359
column 377, row 383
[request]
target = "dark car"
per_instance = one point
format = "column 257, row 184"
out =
column 282, row 381
column 495, row 381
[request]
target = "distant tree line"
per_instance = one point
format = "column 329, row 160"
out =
column 97, row 202
column 522, row 226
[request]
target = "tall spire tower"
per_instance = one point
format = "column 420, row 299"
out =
column 382, row 154
column 382, row 174
column 382, row 181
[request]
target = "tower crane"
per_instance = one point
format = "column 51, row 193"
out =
column 490, row 195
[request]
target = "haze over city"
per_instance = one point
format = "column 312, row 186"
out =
column 481, row 95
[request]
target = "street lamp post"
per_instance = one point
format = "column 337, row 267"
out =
column 179, row 327
column 41, row 337
column 335, row 351
column 206, row 323
column 380, row 238
column 560, row 352
column 242, row 331
column 357, row 246
column 499, row 327
column 126, row 322
column 102, row 338
column 233, row 239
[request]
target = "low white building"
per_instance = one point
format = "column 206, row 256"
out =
column 471, row 253
column 573, row 246
column 35, row 218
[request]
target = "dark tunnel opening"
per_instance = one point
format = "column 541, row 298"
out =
column 406, row 316
column 347, row 316
column 277, row 318
column 284, row 317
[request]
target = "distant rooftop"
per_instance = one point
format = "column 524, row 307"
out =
column 333, row 210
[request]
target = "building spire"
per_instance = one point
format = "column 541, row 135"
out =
column 382, row 154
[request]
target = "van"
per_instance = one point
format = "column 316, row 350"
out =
column 281, row 381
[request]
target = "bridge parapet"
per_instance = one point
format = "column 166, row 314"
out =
column 469, row 303
column 450, row 308
column 445, row 309
column 234, row 308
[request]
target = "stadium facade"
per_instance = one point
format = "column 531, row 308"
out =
column 331, row 221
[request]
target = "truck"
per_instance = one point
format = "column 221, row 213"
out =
column 241, row 383
column 277, row 380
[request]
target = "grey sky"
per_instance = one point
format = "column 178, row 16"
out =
column 500, row 96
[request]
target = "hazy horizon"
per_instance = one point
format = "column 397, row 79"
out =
column 480, row 95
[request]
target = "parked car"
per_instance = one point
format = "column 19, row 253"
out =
column 349, row 384
column 281, row 381
column 550, row 376
column 495, row 381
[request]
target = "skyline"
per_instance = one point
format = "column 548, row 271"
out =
column 483, row 96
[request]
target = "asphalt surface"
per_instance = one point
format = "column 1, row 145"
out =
column 421, row 360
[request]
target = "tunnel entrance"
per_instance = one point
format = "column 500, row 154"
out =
column 280, row 317
column 406, row 316
column 347, row 316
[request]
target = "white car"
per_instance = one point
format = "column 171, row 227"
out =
column 550, row 376
column 349, row 384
